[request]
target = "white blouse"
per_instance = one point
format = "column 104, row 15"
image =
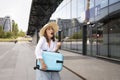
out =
column 43, row 45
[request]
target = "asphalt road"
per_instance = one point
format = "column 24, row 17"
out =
column 17, row 61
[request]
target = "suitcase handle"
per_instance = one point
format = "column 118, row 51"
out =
column 51, row 51
column 36, row 67
column 59, row 61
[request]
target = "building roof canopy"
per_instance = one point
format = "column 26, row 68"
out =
column 41, row 11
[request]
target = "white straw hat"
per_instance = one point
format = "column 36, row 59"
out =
column 51, row 24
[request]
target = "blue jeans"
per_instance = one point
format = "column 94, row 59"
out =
column 41, row 75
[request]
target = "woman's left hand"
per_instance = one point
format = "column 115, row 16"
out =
column 58, row 45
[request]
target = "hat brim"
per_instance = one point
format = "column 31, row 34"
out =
column 50, row 24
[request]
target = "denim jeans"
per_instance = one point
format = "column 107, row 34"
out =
column 42, row 75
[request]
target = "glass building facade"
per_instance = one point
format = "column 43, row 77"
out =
column 103, row 32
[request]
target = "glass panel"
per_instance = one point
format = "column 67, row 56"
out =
column 114, row 38
column 113, row 1
column 70, row 17
column 102, row 39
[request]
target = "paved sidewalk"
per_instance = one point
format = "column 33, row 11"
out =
column 17, row 62
column 91, row 68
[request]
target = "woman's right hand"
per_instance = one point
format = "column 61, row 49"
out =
column 44, row 66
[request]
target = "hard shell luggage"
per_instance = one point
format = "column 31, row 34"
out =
column 53, row 60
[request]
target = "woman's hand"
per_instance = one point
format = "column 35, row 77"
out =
column 44, row 66
column 58, row 46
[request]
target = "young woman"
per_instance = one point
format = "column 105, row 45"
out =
column 47, row 42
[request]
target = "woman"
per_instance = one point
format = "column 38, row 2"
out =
column 47, row 42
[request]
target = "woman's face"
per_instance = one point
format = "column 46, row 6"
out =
column 50, row 32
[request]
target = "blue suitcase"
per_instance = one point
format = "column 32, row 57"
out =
column 53, row 60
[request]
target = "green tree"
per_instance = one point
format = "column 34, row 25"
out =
column 9, row 35
column 1, row 32
column 77, row 35
column 13, row 34
column 21, row 33
column 15, row 29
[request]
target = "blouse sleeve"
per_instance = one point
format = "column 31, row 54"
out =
column 38, row 49
column 55, row 45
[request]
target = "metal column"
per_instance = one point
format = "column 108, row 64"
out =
column 84, row 40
